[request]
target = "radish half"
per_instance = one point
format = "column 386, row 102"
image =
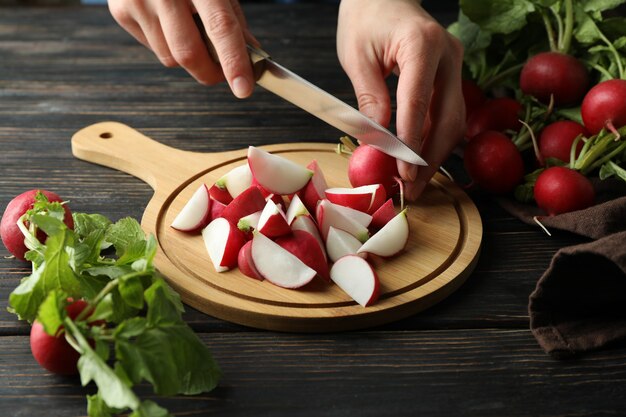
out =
column 356, row 277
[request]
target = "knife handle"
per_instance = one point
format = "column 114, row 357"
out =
column 257, row 55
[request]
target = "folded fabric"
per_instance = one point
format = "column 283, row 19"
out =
column 579, row 303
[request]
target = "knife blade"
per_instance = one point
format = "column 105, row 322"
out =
column 300, row 92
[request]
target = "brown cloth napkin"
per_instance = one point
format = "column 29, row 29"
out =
column 579, row 303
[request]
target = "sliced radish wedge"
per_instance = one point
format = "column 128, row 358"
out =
column 196, row 212
column 307, row 224
column 236, row 181
column 296, row 208
column 278, row 265
column 223, row 241
column 272, row 222
column 276, row 174
column 340, row 244
column 356, row 277
column 389, row 240
column 329, row 214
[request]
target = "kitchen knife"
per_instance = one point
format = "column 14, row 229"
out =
column 295, row 89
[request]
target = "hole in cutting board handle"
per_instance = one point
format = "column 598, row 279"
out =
column 106, row 135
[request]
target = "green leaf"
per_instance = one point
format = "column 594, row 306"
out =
column 124, row 234
column 169, row 356
column 86, row 224
column 150, row 409
column 110, row 271
column 586, row 31
column 601, row 5
column 113, row 391
column 104, row 309
column 133, row 252
column 96, row 407
column 50, row 225
column 131, row 290
column 52, row 311
column 498, row 16
column 163, row 350
column 164, row 304
column 610, row 169
column 54, row 273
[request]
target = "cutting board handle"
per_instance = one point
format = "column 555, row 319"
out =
column 121, row 147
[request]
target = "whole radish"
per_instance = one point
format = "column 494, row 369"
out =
column 493, row 162
column 473, row 96
column 605, row 106
column 556, row 139
column 368, row 165
column 10, row 233
column 554, row 74
column 498, row 114
column 561, row 190
column 54, row 353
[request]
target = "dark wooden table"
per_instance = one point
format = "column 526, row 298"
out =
column 472, row 354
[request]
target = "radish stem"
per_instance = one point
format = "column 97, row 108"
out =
column 559, row 26
column 566, row 40
column 536, row 219
column 535, row 144
column 549, row 30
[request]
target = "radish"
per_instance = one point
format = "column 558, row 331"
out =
column 556, row 139
column 245, row 262
column 473, row 96
column 306, row 248
column 368, row 165
column 494, row 162
column 54, row 353
column 554, row 74
column 11, row 234
column 561, row 190
column 604, row 106
column 499, row 114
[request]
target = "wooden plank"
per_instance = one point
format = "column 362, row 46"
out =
column 470, row 373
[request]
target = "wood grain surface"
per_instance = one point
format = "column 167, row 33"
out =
column 441, row 252
column 471, row 354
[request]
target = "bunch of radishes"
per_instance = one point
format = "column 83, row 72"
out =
column 278, row 221
column 566, row 106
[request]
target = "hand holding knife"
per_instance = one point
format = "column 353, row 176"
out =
column 298, row 91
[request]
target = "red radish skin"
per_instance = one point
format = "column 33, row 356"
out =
column 473, row 96
column 368, row 165
column 556, row 139
column 605, row 106
column 11, row 235
column 383, row 215
column 494, row 162
column 54, row 353
column 313, row 191
column 557, row 74
column 499, row 114
column 217, row 208
column 561, row 190
column 220, row 194
column 248, row 202
column 306, row 248
column 245, row 262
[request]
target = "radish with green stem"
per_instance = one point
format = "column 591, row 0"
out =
column 556, row 140
column 561, row 190
column 13, row 220
column 556, row 74
column 604, row 106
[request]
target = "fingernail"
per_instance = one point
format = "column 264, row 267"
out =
column 241, row 87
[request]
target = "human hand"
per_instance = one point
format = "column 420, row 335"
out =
column 169, row 30
column 378, row 37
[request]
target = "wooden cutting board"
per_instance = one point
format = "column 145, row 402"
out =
column 443, row 247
